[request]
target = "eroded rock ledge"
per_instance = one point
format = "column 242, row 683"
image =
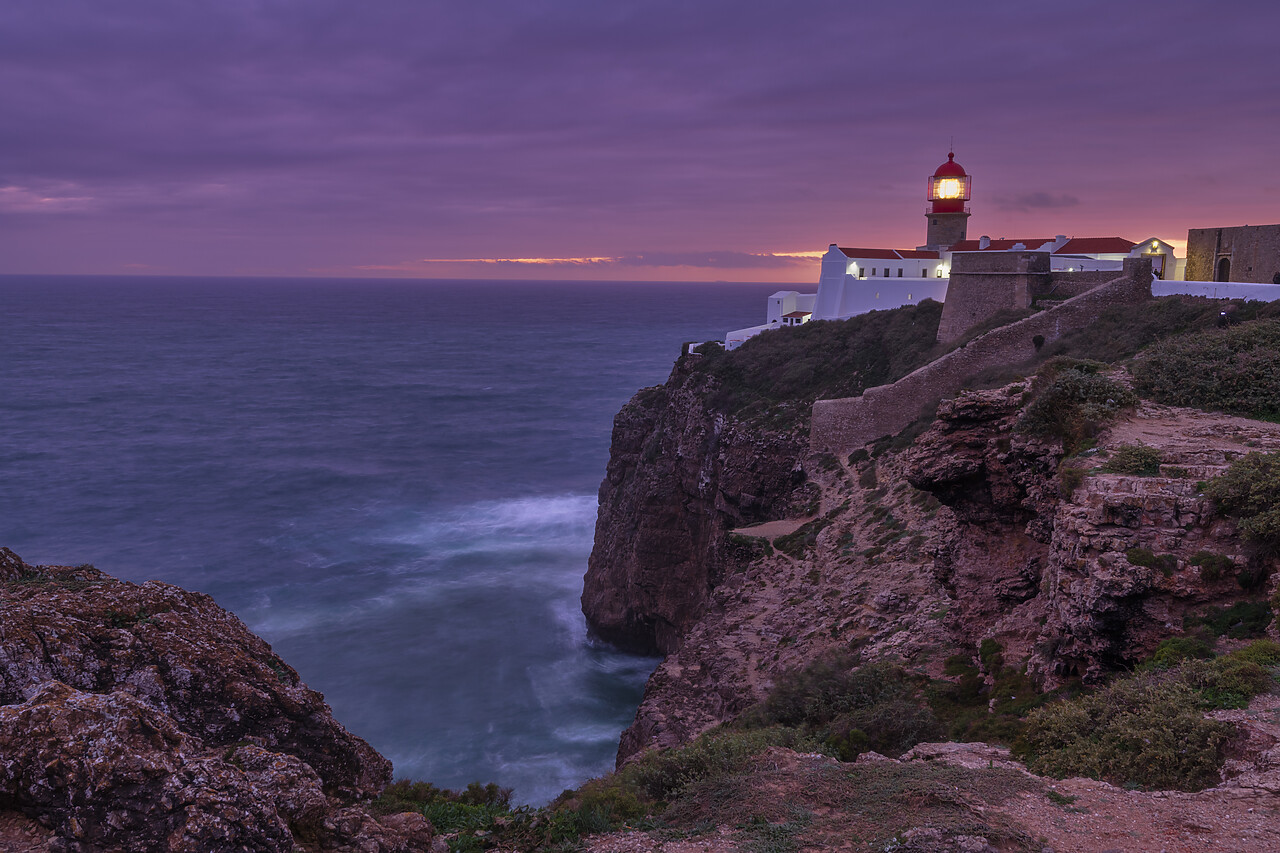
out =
column 148, row 718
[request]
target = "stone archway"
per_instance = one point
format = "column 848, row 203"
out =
column 1223, row 271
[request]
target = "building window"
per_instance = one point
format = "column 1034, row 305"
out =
column 873, row 271
column 886, row 272
column 899, row 272
column 862, row 273
column 939, row 272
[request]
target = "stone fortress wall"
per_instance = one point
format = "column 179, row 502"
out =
column 1247, row 253
column 843, row 425
column 984, row 283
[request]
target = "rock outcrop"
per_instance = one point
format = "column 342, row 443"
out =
column 148, row 718
column 681, row 475
column 1083, row 579
column 966, row 535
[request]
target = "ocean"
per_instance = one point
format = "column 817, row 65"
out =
column 393, row 482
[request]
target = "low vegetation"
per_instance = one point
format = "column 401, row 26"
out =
column 849, row 709
column 1234, row 370
column 823, row 359
column 1136, row 459
column 1072, row 401
column 1149, row 729
column 1249, row 491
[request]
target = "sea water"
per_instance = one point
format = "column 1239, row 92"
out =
column 393, row 482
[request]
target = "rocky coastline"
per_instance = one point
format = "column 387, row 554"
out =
column 145, row 717
column 968, row 550
column 964, row 534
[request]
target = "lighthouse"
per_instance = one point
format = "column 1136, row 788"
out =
column 948, row 212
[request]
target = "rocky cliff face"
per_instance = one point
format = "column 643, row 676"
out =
column 917, row 554
column 1083, row 579
column 148, row 718
column 681, row 475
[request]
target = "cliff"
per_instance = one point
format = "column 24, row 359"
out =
column 1083, row 578
column 721, row 445
column 974, row 532
column 681, row 475
column 148, row 718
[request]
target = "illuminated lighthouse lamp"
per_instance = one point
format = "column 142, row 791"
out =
column 949, row 187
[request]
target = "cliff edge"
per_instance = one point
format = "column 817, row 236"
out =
column 970, row 541
column 148, row 718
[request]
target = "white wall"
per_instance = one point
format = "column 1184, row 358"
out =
column 1217, row 290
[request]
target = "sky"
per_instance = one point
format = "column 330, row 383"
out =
column 611, row 139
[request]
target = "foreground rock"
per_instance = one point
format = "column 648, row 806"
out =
column 148, row 718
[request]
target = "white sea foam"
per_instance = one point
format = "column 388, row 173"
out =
column 506, row 524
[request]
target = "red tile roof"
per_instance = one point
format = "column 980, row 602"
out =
column 1096, row 246
column 1032, row 243
column 1074, row 246
column 888, row 254
column 799, row 314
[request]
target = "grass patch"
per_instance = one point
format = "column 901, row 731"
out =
column 1072, row 402
column 820, row 360
column 1249, row 492
column 1241, row 621
column 1212, row 566
column 1146, row 730
column 850, row 709
column 1167, row 564
column 1234, row 369
column 1137, row 459
column 1071, row 474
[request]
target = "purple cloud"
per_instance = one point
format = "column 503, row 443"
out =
column 283, row 136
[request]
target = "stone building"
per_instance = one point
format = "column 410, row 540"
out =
column 1247, row 253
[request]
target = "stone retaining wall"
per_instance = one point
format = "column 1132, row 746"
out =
column 847, row 424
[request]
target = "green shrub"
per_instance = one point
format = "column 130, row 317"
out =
column 1166, row 563
column 600, row 805
column 991, row 653
column 1145, row 730
column 1249, row 491
column 477, row 808
column 1251, row 577
column 1175, row 650
column 1134, row 459
column 1240, row 621
column 1226, row 682
column 1236, row 370
column 1212, row 566
column 1122, row 330
column 1074, row 404
column 849, row 708
column 1071, row 474
column 1263, row 652
column 663, row 775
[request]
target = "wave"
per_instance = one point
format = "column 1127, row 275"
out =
column 516, row 523
column 539, row 544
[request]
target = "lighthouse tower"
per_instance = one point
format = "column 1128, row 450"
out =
column 948, row 213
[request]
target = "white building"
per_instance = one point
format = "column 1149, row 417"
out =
column 855, row 281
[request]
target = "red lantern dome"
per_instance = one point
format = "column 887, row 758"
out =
column 949, row 187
